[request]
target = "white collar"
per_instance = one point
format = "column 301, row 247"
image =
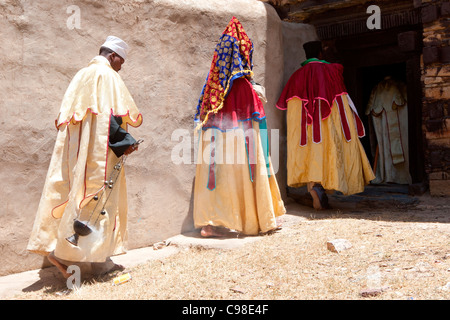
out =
column 100, row 59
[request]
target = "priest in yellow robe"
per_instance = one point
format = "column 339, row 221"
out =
column 323, row 130
column 235, row 185
column 85, row 183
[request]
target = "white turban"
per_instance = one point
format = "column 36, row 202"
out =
column 117, row 45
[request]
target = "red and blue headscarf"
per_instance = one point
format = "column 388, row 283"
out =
column 232, row 60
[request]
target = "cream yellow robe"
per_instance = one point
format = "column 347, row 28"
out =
column 335, row 163
column 236, row 203
column 80, row 164
column 388, row 109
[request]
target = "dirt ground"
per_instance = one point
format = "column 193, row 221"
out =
column 399, row 250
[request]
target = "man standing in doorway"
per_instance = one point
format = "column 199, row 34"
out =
column 323, row 149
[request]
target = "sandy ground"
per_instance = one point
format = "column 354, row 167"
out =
column 399, row 248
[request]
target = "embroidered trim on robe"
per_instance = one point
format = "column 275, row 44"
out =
column 318, row 84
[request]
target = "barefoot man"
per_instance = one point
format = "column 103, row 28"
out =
column 86, row 182
column 323, row 130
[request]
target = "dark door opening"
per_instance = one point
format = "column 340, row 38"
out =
column 368, row 59
column 386, row 142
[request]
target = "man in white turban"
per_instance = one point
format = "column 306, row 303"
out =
column 82, row 215
column 115, row 50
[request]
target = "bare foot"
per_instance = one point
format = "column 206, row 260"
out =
column 279, row 221
column 210, row 231
column 320, row 199
column 61, row 267
column 316, row 200
column 116, row 267
column 279, row 226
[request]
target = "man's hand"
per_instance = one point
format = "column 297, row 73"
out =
column 131, row 149
column 134, row 147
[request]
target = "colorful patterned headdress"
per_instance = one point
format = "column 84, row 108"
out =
column 232, row 59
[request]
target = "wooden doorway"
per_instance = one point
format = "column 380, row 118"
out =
column 367, row 59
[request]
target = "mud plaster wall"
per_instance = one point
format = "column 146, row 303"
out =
column 172, row 44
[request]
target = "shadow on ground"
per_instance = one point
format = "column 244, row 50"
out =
column 377, row 202
column 51, row 280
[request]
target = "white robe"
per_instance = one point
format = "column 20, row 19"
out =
column 388, row 109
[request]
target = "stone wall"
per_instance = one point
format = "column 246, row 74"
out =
column 436, row 92
column 172, row 44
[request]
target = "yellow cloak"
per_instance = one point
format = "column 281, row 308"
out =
column 336, row 163
column 80, row 164
column 237, row 202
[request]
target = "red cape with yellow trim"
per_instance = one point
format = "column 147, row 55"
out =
column 318, row 85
